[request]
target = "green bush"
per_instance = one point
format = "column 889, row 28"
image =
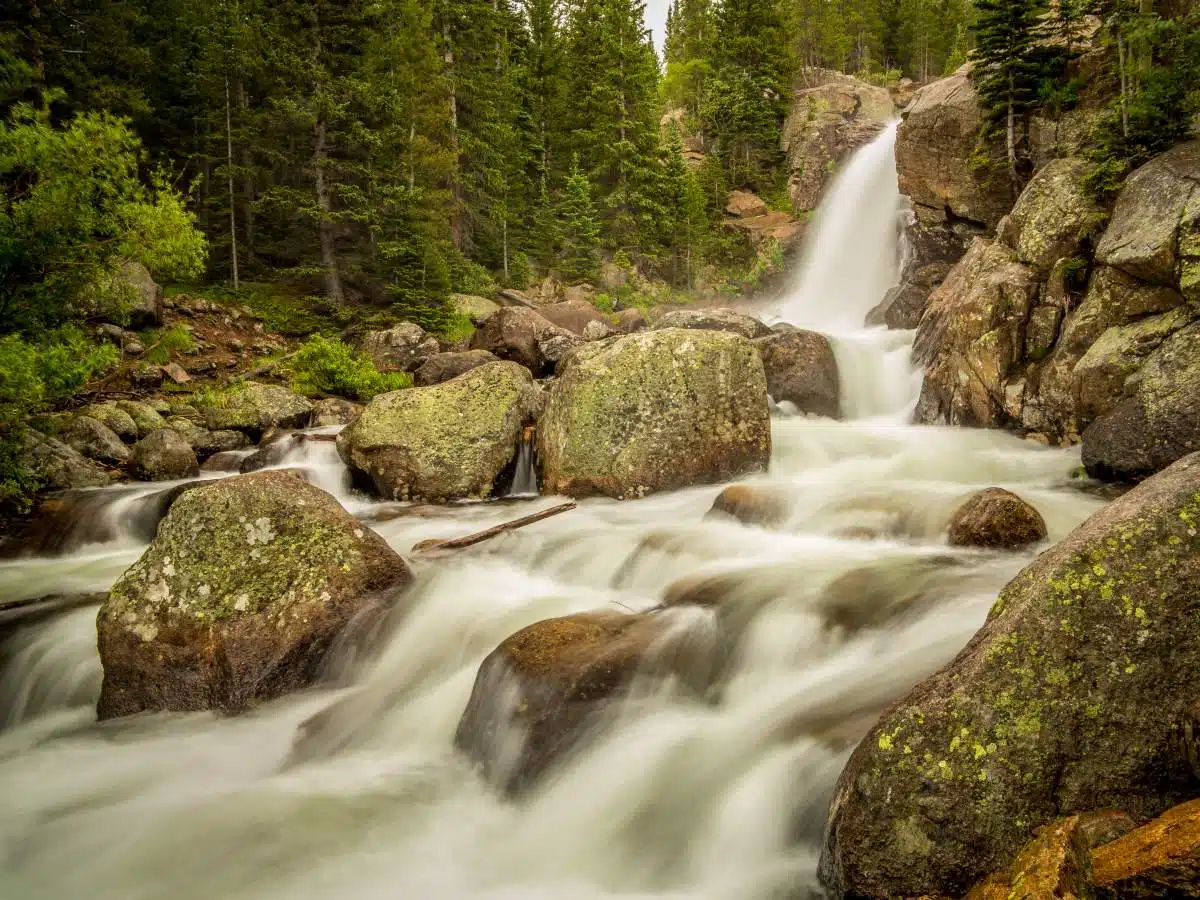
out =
column 161, row 343
column 328, row 366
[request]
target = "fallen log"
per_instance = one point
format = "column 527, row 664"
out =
column 432, row 546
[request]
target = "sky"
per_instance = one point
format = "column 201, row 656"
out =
column 656, row 18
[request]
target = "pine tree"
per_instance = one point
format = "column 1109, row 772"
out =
column 579, row 228
column 685, row 219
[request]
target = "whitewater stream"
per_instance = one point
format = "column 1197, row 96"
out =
column 678, row 799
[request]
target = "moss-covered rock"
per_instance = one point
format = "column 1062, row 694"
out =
column 655, row 411
column 538, row 694
column 114, row 418
column 164, row 455
column 145, row 416
column 996, row 519
column 1052, row 214
column 95, row 441
column 1064, row 701
column 254, row 408
column 801, row 369
column 248, row 582
column 334, row 411
column 204, row 442
column 444, row 442
column 713, row 320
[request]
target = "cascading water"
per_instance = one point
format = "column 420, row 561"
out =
column 678, row 798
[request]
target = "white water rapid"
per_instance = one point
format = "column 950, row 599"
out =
column 679, row 799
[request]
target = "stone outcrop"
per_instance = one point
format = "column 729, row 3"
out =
column 238, row 598
column 524, row 336
column 401, row 348
column 996, row 519
column 1160, row 859
column 801, row 369
column 444, row 366
column 474, row 308
column 1052, row 217
column 142, row 296
column 449, row 441
column 655, row 411
column 713, row 320
column 333, row 411
column 164, row 455
column 256, row 408
column 59, row 467
column 1067, row 699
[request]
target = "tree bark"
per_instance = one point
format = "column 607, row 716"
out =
column 233, row 246
column 1012, row 132
column 333, row 278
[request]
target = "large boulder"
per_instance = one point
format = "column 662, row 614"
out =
column 713, row 320
column 445, row 366
column 539, row 694
column 204, row 442
column 1158, row 423
column 1066, row 700
column 449, row 441
column 996, row 519
column 573, row 315
column 144, row 416
column 971, row 337
column 164, row 455
column 401, row 348
column 142, row 296
column 474, row 308
column 95, row 441
column 524, row 336
column 238, row 599
column 1052, row 215
column 333, row 411
column 801, row 369
column 113, row 418
column 255, row 408
column 655, row 411
column 59, row 467
column 935, row 149
column 1154, row 233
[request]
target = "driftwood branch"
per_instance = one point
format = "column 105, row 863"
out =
column 432, row 546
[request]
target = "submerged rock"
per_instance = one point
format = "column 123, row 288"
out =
column 446, row 442
column 713, row 320
column 751, row 505
column 655, row 411
column 239, row 597
column 539, row 694
column 164, row 455
column 255, row 408
column 1065, row 700
column 801, row 369
column 996, row 519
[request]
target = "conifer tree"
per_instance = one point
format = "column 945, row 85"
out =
column 579, row 228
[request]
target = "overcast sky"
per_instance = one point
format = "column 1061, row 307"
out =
column 656, row 18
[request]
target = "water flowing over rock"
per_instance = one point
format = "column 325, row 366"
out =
column 95, row 441
column 164, row 455
column 445, row 442
column 256, row 408
column 537, row 695
column 751, row 505
column 655, row 411
column 1065, row 700
column 444, row 366
column 997, row 519
column 237, row 600
column 524, row 336
column 713, row 320
column 801, row 369
column 401, row 348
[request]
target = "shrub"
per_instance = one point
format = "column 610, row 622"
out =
column 325, row 365
column 160, row 344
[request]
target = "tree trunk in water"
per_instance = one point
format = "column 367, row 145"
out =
column 333, row 279
column 233, row 248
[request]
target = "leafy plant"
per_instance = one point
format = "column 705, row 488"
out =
column 161, row 344
column 325, row 365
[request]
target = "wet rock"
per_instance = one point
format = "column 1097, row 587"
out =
column 255, row 408
column 524, row 336
column 1052, row 215
column 59, row 467
column 143, row 296
column 1065, row 699
column 1159, row 423
column 573, row 315
column 445, row 366
column 801, row 369
column 114, row 418
column 225, row 461
column 539, row 694
column 996, row 519
column 1057, row 863
column 1160, row 859
column 401, row 348
column 655, row 411
column 630, row 320
column 145, row 416
column 752, row 504
column 95, row 441
column 334, row 411
column 164, row 455
column 444, row 442
column 273, row 450
column 238, row 598
column 713, row 320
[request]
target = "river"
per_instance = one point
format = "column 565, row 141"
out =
column 678, row 799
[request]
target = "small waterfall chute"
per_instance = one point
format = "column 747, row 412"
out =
column 525, row 483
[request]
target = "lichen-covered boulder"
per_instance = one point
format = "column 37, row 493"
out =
column 59, row 467
column 449, row 441
column 164, row 455
column 538, row 694
column 713, row 320
column 474, row 308
column 401, row 348
column 524, row 336
column 996, row 519
column 1052, row 215
column 333, row 411
column 801, row 369
column 204, row 442
column 145, row 416
column 444, row 366
column 245, row 587
column 255, row 408
column 1154, row 233
column 95, row 441
column 1066, row 700
column 655, row 411
column 143, row 297
column 114, row 418
column 1158, row 422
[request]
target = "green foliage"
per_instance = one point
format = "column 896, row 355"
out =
column 580, row 230
column 162, row 344
column 328, row 366
column 467, row 277
column 76, row 210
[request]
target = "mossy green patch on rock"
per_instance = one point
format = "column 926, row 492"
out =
column 1070, row 691
column 448, row 441
column 254, row 408
column 654, row 411
column 246, row 584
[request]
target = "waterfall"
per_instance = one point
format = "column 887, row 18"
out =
column 525, row 477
